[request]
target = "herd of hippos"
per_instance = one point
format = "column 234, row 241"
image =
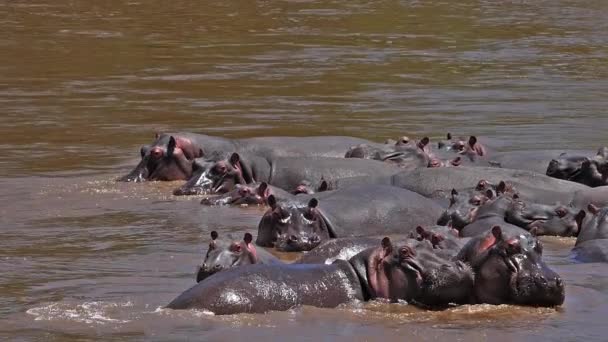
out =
column 433, row 224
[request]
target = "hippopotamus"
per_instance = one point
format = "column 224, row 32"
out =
column 286, row 173
column 354, row 211
column 462, row 208
column 172, row 155
column 490, row 214
column 509, row 270
column 592, row 242
column 534, row 187
column 581, row 169
column 596, row 196
column 543, row 219
column 248, row 194
column 406, row 272
column 410, row 157
column 223, row 255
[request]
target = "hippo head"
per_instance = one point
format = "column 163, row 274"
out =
column 308, row 188
column 564, row 166
column 546, row 220
column 596, row 226
column 592, row 173
column 462, row 209
column 444, row 281
column 169, row 158
column 223, row 255
column 292, row 227
column 511, row 271
column 242, row 195
column 412, row 272
column 217, row 177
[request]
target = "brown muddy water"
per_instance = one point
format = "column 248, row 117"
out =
column 84, row 83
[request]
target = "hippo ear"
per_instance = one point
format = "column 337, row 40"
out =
column 579, row 218
column 171, row 146
column 449, row 136
column 497, row 232
column 157, row 135
column 313, row 203
column 262, row 188
column 214, row 235
column 456, row 161
column 386, row 243
column 454, row 192
column 472, row 140
column 593, row 209
column 324, row 186
column 234, row 158
column 272, row 201
column 502, row 187
column 425, row 141
column 419, row 230
column 248, row 238
column 489, row 193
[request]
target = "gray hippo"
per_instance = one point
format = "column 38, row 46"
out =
column 248, row 194
column 389, row 272
column 509, row 269
column 591, row 171
column 355, row 211
column 171, row 156
column 592, row 242
column 222, row 255
column 291, row 174
column 597, row 196
column 530, row 186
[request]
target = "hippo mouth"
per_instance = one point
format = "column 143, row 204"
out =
column 141, row 172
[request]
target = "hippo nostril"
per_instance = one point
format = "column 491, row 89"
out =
column 315, row 239
column 156, row 152
column 293, row 238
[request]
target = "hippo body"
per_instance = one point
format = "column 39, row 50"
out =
column 530, row 186
column 389, row 272
column 597, row 196
column 355, row 211
column 171, row 156
column 262, row 288
column 592, row 241
column 287, row 173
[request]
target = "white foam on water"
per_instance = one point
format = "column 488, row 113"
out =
column 87, row 312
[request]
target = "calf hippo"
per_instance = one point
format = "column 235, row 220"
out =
column 385, row 272
column 509, row 269
column 355, row 211
column 286, row 173
column 592, row 242
column 171, row 156
column 223, row 255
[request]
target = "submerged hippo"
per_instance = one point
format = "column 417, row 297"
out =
column 172, row 155
column 355, row 211
column 250, row 194
column 592, row 242
column 286, row 173
column 591, row 171
column 223, row 255
column 530, row 186
column 388, row 272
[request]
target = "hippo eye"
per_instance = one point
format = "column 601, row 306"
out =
column 475, row 201
column 307, row 217
column 286, row 219
column 561, row 212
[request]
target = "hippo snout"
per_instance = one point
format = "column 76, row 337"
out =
column 297, row 243
column 540, row 290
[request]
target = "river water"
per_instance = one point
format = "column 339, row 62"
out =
column 84, row 83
